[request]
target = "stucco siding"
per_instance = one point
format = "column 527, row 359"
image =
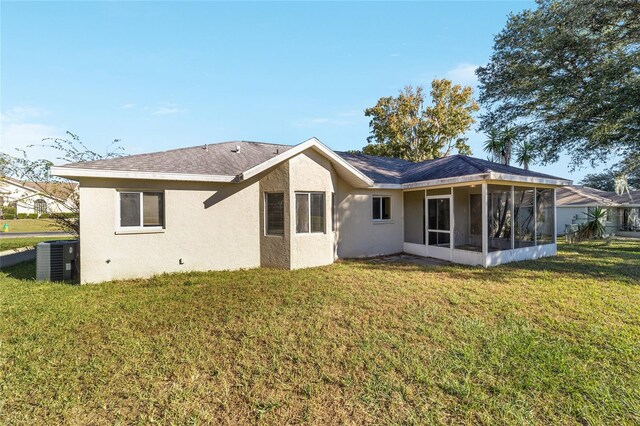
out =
column 359, row 235
column 311, row 172
column 208, row 226
column 275, row 250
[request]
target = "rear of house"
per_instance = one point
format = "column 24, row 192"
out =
column 246, row 204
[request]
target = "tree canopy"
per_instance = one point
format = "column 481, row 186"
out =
column 567, row 74
column 403, row 127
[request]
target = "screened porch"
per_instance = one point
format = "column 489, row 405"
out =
column 480, row 224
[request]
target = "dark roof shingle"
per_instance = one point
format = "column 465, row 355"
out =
column 212, row 159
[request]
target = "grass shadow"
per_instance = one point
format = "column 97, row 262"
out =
column 21, row 271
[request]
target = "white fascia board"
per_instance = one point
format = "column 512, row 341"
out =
column 528, row 179
column 75, row 173
column 445, row 181
column 387, row 186
column 309, row 143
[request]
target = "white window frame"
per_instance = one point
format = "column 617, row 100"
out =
column 324, row 206
column 381, row 220
column 266, row 214
column 140, row 228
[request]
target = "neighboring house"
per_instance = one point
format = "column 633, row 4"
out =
column 622, row 211
column 246, row 204
column 35, row 197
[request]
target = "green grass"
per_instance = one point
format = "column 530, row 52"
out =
column 553, row 341
column 30, row 225
column 14, row 243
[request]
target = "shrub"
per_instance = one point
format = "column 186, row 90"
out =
column 9, row 216
column 44, row 216
column 22, row 215
column 594, row 227
column 33, row 215
column 9, row 210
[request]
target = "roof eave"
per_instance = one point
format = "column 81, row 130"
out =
column 77, row 173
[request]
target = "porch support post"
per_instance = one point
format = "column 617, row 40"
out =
column 513, row 222
column 555, row 224
column 485, row 224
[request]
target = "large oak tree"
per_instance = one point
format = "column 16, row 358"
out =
column 567, row 74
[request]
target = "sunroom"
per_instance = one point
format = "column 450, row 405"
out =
column 484, row 223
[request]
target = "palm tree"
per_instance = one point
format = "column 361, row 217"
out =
column 524, row 154
column 493, row 144
column 621, row 185
column 499, row 144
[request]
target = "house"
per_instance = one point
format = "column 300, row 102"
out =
column 35, row 197
column 622, row 211
column 247, row 204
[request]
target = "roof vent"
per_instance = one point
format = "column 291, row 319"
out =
column 237, row 149
column 206, row 147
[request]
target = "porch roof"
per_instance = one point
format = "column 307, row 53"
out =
column 397, row 172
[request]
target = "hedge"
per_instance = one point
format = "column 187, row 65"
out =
column 22, row 215
column 9, row 210
column 33, row 215
column 9, row 216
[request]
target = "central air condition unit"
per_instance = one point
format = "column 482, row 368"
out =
column 57, row 260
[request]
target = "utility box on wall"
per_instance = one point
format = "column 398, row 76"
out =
column 57, row 260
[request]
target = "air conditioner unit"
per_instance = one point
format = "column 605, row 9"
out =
column 57, row 260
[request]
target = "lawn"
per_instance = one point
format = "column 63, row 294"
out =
column 553, row 341
column 14, row 243
column 30, row 225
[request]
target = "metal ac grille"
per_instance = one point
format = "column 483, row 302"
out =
column 56, row 261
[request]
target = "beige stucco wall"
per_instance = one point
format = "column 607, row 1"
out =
column 210, row 226
column 275, row 250
column 359, row 235
column 311, row 172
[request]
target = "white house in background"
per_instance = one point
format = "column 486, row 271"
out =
column 622, row 211
column 28, row 197
column 247, row 204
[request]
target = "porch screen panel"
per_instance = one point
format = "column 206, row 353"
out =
column 499, row 220
column 524, row 228
column 414, row 231
column 544, row 216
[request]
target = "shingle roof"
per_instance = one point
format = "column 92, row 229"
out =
column 578, row 195
column 225, row 159
column 380, row 169
column 212, row 159
column 392, row 170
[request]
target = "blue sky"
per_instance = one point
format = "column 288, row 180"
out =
column 161, row 75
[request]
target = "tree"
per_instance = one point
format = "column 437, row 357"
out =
column 500, row 144
column 524, row 154
column 567, row 75
column 606, row 181
column 71, row 150
column 402, row 127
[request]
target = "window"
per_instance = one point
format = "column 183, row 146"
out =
column 40, row 206
column 310, row 212
column 381, row 208
column 141, row 209
column 274, row 213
